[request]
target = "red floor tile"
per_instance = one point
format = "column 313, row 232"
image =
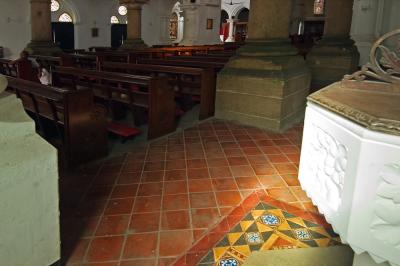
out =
column 173, row 175
column 173, row 220
column 234, row 161
column 124, row 191
column 202, row 200
column 141, row 246
column 119, row 206
column 220, row 172
column 200, row 185
column 196, row 163
column 283, row 194
column 144, row 222
column 239, row 171
column 204, row 218
column 286, row 168
column 200, row 173
column 291, row 179
column 175, row 202
column 176, row 164
column 272, row 181
column 105, row 249
column 150, row 189
column 228, row 198
column 250, row 182
column 217, row 162
column 173, row 243
column 113, row 225
column 175, row 187
column 224, row 184
column 147, row 204
column 139, row 262
column 152, row 176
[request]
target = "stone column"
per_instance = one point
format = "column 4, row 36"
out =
column 134, row 38
column 195, row 18
column 335, row 55
column 191, row 24
column 231, row 37
column 267, row 82
column 41, row 42
column 366, row 25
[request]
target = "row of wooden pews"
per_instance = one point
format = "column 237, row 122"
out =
column 150, row 99
column 68, row 119
column 88, row 87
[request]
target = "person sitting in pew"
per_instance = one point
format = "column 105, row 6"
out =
column 44, row 75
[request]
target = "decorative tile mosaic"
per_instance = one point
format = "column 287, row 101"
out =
column 263, row 227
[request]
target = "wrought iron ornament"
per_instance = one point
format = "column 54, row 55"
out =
column 384, row 63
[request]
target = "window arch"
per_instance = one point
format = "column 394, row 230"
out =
column 319, row 7
column 224, row 16
column 55, row 6
column 65, row 17
column 114, row 20
column 243, row 15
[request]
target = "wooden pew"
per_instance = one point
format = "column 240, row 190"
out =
column 67, row 119
column 182, row 63
column 189, row 81
column 199, row 58
column 21, row 69
column 147, row 96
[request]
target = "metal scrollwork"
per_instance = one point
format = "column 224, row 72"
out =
column 384, row 63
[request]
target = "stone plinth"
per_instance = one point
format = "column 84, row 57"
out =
column 29, row 211
column 41, row 29
column 267, row 83
column 331, row 59
column 336, row 54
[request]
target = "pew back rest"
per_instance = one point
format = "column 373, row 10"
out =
column 81, row 125
column 133, row 91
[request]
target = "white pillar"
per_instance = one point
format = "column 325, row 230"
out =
column 231, row 37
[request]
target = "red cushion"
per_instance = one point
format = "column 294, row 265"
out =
column 122, row 130
column 134, row 87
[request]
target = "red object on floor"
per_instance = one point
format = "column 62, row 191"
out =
column 179, row 112
column 123, row 130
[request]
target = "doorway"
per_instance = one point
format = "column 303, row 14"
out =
column 118, row 34
column 64, row 35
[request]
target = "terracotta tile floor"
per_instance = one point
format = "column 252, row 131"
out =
column 149, row 206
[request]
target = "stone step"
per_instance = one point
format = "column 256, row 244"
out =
column 327, row 256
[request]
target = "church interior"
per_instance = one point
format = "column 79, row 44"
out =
column 200, row 132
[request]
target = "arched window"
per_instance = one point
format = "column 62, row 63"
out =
column 55, row 5
column 65, row 17
column 243, row 15
column 319, row 7
column 114, row 20
column 224, row 16
column 122, row 10
column 173, row 26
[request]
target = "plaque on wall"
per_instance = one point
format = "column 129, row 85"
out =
column 210, row 24
column 95, row 32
